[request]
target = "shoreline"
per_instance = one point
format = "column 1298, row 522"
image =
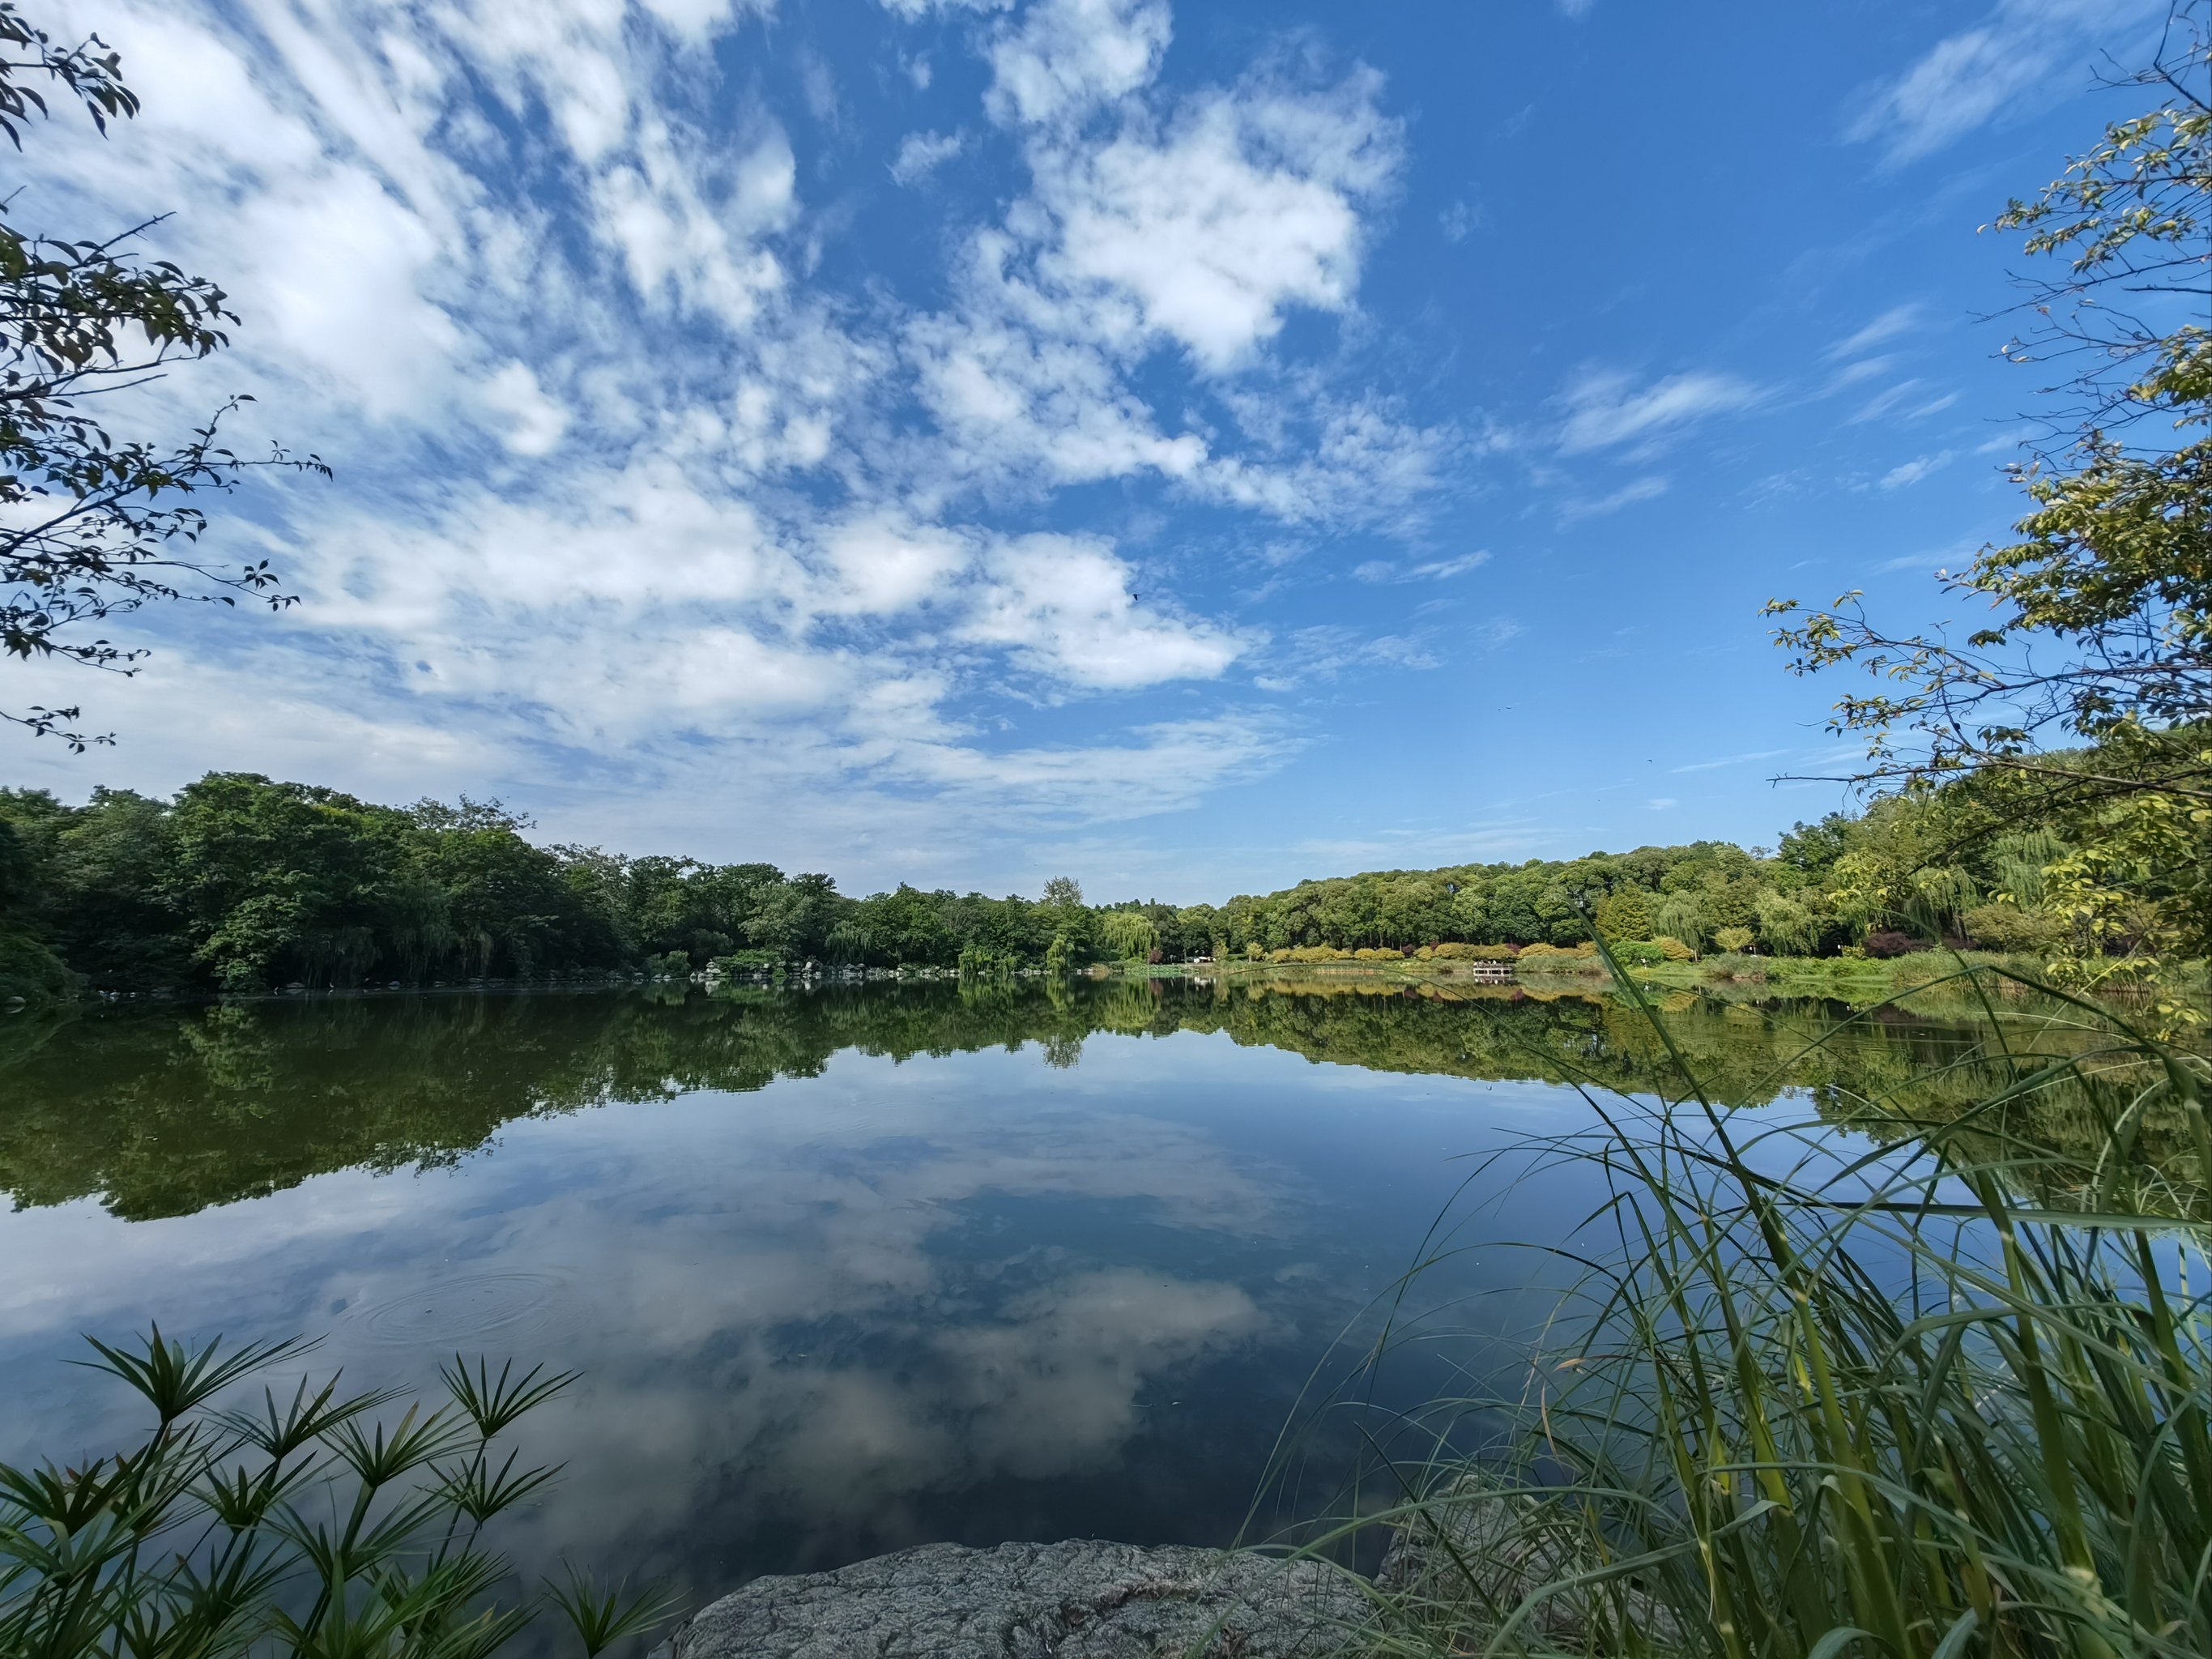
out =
column 1855, row 981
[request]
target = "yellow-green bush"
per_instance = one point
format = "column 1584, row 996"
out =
column 2004, row 926
column 1556, row 956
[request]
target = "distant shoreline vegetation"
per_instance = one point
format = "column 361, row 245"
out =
column 241, row 883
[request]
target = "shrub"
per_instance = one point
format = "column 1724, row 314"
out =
column 1735, row 941
column 2003, row 926
column 1674, row 950
column 307, row 1525
column 1639, row 952
column 1887, row 943
column 1579, row 959
column 741, row 962
column 1733, row 966
column 28, row 970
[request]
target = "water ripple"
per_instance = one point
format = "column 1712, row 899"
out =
column 464, row 1308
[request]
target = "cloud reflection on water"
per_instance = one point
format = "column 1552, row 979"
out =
column 811, row 1317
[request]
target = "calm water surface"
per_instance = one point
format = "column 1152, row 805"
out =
column 845, row 1270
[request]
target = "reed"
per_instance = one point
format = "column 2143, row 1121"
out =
column 1812, row 1394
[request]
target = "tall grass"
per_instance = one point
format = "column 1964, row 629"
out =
column 318, row 1524
column 1815, row 1395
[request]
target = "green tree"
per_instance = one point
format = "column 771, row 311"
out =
column 29, row 968
column 906, row 926
column 1130, row 935
column 1786, row 927
column 1624, row 914
column 95, row 525
column 506, row 901
column 2099, row 615
column 1197, row 928
column 278, row 881
column 110, row 915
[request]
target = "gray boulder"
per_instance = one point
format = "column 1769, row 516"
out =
column 1082, row 1600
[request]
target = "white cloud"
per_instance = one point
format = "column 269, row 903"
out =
column 922, row 154
column 1866, row 369
column 536, row 421
column 1912, row 471
column 1329, row 651
column 1591, row 506
column 1730, row 760
column 1012, row 398
column 1433, row 570
column 1200, row 226
column 1968, row 78
column 1067, row 56
column 1247, row 207
column 698, row 515
column 1162, row 768
column 881, row 566
column 1909, row 399
column 339, row 285
column 1605, row 407
column 688, row 242
column 1934, row 558
column 1888, row 326
column 1063, row 605
column 1662, row 803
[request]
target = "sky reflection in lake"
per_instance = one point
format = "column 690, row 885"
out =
column 843, row 1271
column 971, row 1296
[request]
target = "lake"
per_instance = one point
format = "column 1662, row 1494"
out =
column 844, row 1268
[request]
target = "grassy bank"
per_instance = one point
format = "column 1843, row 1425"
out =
column 1856, row 982
column 1855, row 979
column 1844, row 978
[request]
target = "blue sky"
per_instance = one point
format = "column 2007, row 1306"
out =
column 1189, row 448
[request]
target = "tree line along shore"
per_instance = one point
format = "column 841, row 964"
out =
column 241, row 883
